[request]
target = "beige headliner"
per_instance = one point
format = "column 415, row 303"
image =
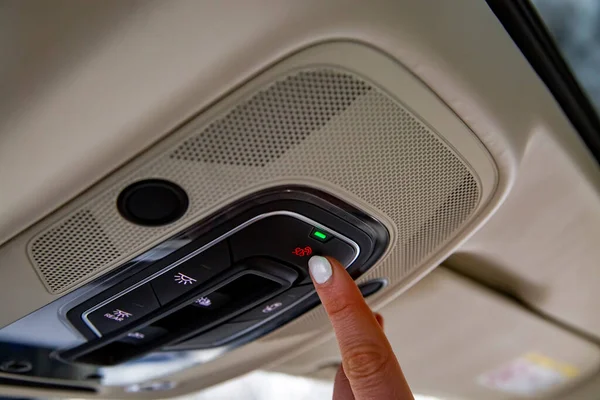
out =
column 447, row 331
column 110, row 78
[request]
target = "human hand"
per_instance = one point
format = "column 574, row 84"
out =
column 369, row 368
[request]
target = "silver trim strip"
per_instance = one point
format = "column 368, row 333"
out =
column 300, row 217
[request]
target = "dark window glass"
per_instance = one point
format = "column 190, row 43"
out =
column 575, row 26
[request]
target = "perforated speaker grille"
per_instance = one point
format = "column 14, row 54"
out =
column 62, row 243
column 316, row 123
column 270, row 123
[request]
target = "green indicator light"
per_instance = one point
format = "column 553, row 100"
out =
column 319, row 235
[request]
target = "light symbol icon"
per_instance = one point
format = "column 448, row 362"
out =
column 203, row 301
column 271, row 307
column 118, row 315
column 184, row 279
column 121, row 314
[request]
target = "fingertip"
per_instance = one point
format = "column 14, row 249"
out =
column 320, row 269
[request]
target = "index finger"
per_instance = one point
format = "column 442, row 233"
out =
column 367, row 357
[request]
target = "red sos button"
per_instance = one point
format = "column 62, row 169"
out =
column 302, row 251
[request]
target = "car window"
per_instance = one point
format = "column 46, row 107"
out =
column 575, row 27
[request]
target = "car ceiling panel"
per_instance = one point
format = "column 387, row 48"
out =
column 541, row 245
column 111, row 80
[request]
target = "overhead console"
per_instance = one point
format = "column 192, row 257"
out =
column 200, row 243
column 235, row 277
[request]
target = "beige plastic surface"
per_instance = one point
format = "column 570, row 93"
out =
column 447, row 331
column 109, row 80
column 542, row 245
column 587, row 390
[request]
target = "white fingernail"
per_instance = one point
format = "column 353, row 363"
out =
column 319, row 268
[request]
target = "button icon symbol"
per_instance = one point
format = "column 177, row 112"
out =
column 136, row 335
column 121, row 314
column 184, row 279
column 301, row 252
column 271, row 307
column 118, row 315
column 203, row 301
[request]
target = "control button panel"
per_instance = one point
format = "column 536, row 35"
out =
column 124, row 310
column 281, row 238
column 242, row 291
column 290, row 240
column 237, row 277
column 192, row 273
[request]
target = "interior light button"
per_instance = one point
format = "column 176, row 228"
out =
column 275, row 305
column 124, row 310
column 192, row 273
